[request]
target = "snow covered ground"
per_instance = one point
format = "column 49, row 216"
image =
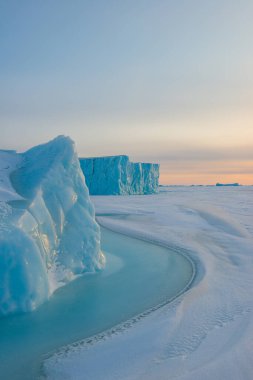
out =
column 207, row 333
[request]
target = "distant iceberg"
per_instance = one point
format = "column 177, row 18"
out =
column 48, row 232
column 227, row 184
column 117, row 175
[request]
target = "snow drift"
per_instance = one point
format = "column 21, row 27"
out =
column 207, row 333
column 117, row 175
column 48, row 233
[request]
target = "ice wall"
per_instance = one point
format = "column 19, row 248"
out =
column 117, row 175
column 48, row 234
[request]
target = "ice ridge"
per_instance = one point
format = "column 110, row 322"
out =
column 48, row 234
column 118, row 175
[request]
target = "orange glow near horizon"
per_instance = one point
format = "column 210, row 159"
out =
column 207, row 173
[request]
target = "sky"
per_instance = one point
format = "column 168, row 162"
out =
column 161, row 81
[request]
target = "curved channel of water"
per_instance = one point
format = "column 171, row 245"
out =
column 138, row 276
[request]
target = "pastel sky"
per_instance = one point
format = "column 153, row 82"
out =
column 164, row 81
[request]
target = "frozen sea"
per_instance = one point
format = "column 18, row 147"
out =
column 206, row 333
column 49, row 237
column 138, row 277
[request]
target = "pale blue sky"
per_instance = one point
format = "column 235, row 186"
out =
column 168, row 81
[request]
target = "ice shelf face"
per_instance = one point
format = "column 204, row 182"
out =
column 48, row 233
column 117, row 175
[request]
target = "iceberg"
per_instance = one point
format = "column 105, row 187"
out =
column 227, row 184
column 48, row 232
column 114, row 175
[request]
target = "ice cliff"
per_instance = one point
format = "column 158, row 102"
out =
column 48, row 233
column 117, row 175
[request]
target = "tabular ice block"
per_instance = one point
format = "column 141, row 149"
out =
column 48, row 232
column 117, row 175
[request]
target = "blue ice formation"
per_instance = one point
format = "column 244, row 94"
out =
column 227, row 184
column 117, row 175
column 49, row 234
